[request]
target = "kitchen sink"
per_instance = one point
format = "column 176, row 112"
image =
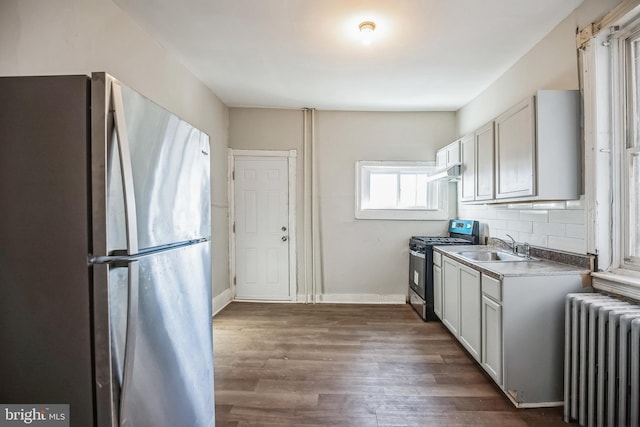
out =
column 486, row 256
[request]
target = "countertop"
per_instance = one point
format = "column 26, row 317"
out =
column 502, row 269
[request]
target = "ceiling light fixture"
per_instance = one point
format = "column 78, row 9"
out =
column 366, row 31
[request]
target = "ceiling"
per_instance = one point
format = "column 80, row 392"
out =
column 425, row 54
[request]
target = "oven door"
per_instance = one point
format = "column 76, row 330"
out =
column 417, row 271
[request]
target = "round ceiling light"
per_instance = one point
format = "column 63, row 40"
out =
column 367, row 27
column 366, row 31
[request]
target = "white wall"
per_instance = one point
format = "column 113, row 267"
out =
column 362, row 260
column 370, row 257
column 80, row 36
column 551, row 64
column 272, row 129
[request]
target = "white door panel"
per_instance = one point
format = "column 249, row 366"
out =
column 261, row 219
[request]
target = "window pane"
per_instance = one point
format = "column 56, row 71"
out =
column 634, row 206
column 432, row 195
column 635, row 87
column 398, row 190
column 413, row 191
column 383, row 191
column 408, row 191
column 421, row 190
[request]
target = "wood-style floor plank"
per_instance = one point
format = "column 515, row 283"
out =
column 351, row 365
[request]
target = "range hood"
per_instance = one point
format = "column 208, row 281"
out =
column 450, row 173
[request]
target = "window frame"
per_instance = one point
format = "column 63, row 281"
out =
column 604, row 71
column 631, row 144
column 444, row 198
column 625, row 91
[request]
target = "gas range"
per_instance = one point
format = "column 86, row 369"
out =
column 420, row 243
column 461, row 232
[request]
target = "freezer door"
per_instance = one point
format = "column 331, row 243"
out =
column 163, row 354
column 170, row 163
column 157, row 166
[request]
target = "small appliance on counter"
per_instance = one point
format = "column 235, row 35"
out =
column 461, row 232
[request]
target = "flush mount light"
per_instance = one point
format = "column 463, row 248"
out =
column 366, row 31
column 367, row 27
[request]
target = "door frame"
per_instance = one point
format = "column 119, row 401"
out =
column 291, row 156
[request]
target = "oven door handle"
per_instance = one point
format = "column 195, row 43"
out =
column 417, row 254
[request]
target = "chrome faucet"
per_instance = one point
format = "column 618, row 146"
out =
column 513, row 245
column 527, row 250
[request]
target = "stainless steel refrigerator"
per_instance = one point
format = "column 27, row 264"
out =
column 105, row 264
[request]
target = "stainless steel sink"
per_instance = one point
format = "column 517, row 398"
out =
column 487, row 256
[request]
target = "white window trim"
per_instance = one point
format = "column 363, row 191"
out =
column 626, row 156
column 605, row 136
column 445, row 205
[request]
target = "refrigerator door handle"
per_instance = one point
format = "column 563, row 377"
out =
column 125, row 166
column 130, row 340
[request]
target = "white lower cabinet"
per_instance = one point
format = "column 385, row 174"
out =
column 470, row 296
column 491, row 359
column 451, row 295
column 513, row 327
column 461, row 304
column 437, row 291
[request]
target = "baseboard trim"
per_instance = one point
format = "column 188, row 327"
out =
column 362, row 298
column 221, row 301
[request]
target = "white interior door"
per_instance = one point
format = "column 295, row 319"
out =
column 262, row 242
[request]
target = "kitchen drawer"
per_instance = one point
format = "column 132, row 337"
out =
column 492, row 288
column 437, row 258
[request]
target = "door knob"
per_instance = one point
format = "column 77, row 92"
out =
column 285, row 238
column 284, row 228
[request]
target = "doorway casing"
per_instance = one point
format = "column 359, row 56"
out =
column 291, row 156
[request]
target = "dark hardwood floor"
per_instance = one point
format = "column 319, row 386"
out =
column 351, row 365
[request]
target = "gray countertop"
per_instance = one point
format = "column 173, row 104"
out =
column 502, row 269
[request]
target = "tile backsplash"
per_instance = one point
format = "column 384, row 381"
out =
column 554, row 225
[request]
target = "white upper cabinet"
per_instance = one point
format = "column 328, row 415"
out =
column 537, row 148
column 476, row 181
column 484, row 162
column 448, row 155
column 441, row 159
column 515, row 151
column 467, row 187
column 530, row 152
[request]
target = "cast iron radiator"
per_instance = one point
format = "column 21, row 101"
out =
column 602, row 361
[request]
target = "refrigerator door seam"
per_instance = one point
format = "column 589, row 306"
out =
column 127, row 171
column 132, row 243
column 130, row 340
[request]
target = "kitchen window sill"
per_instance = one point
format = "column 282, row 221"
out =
column 625, row 283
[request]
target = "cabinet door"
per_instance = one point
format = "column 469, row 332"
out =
column 441, row 158
column 484, row 162
column 470, row 309
column 453, row 153
column 468, row 177
column 492, row 338
column 450, row 295
column 437, row 291
column 515, row 151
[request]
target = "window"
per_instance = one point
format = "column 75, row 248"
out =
column 611, row 87
column 399, row 190
column 630, row 150
column 609, row 53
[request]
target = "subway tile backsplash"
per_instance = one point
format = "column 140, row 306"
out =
column 553, row 225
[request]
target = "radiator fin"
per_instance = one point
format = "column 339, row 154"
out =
column 602, row 361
